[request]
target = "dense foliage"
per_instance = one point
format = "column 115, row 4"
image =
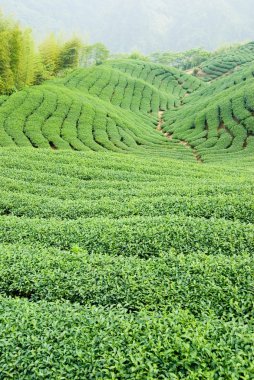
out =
column 135, row 268
column 114, row 107
column 17, row 57
column 183, row 60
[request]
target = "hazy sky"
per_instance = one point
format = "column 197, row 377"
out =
column 140, row 24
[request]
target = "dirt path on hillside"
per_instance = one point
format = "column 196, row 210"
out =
column 160, row 124
column 169, row 136
column 160, row 121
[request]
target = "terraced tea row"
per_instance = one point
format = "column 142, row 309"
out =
column 121, row 268
column 144, row 236
column 99, row 109
column 237, row 78
column 120, row 89
column 125, row 218
column 216, row 122
column 132, row 106
column 22, row 202
column 166, row 79
column 52, row 116
column 225, row 63
column 194, row 282
column 27, row 189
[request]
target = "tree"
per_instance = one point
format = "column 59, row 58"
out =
column 7, row 82
column 22, row 65
column 16, row 56
column 40, row 73
column 15, row 49
column 137, row 55
column 26, row 70
column 93, row 54
column 69, row 56
column 182, row 60
column 50, row 52
column 100, row 52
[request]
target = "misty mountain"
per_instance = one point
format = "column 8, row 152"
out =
column 141, row 24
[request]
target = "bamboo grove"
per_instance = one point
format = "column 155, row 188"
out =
column 23, row 63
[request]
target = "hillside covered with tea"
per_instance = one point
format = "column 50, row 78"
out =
column 127, row 221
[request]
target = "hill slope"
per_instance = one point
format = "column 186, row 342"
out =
column 101, row 109
column 217, row 121
column 227, row 62
column 134, row 106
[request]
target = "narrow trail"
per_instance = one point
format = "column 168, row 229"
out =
column 169, row 136
column 159, row 125
column 160, row 122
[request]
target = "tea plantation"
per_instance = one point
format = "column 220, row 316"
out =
column 127, row 226
column 226, row 62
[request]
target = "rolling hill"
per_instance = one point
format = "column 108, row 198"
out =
column 126, row 106
column 227, row 62
column 127, row 224
column 219, row 120
column 98, row 109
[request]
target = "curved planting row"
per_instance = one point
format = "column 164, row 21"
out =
column 166, row 79
column 100, row 109
column 105, row 205
column 120, row 89
column 117, row 107
column 57, row 117
column 232, row 81
column 219, row 120
column 92, row 279
column 124, row 265
column 226, row 62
